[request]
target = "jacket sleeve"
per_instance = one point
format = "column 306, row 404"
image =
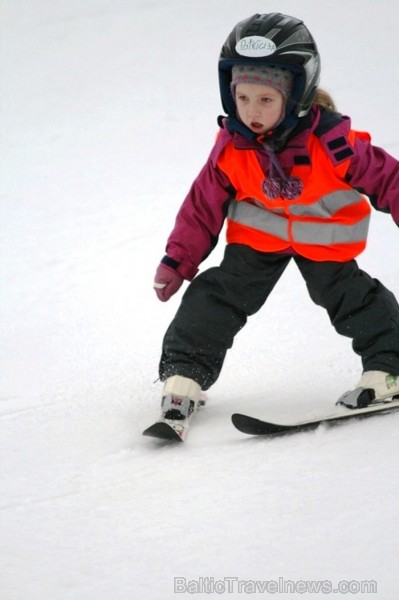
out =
column 374, row 172
column 200, row 218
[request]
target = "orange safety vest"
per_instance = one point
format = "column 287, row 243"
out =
column 328, row 221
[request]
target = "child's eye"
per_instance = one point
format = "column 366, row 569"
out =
column 266, row 100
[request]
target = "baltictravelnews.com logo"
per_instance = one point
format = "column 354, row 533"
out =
column 234, row 585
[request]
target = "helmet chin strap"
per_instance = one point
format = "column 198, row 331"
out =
column 277, row 137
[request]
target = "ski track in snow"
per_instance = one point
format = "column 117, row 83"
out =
column 108, row 113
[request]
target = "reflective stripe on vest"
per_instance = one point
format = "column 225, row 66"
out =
column 328, row 221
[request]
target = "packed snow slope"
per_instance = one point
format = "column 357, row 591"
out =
column 108, row 111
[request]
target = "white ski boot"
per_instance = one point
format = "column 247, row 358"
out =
column 374, row 387
column 180, row 397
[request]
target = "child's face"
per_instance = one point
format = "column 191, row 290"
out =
column 259, row 107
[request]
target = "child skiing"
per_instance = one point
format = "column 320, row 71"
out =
column 291, row 177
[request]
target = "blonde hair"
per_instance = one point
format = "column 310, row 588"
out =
column 323, row 99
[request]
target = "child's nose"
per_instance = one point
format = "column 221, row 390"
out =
column 254, row 110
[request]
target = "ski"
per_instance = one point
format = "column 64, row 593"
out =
column 255, row 426
column 169, row 429
column 173, row 430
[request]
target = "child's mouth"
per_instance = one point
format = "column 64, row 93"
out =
column 256, row 126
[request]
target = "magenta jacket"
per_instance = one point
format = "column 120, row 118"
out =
column 372, row 172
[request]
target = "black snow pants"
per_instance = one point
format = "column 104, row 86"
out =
column 217, row 303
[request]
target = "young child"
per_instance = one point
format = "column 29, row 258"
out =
column 291, row 177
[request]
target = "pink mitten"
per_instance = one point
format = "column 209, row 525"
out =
column 167, row 281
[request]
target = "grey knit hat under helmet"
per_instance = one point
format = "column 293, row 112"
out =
column 275, row 77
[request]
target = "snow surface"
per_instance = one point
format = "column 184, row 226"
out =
column 108, row 112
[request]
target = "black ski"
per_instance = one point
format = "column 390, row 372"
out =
column 254, row 426
column 164, row 430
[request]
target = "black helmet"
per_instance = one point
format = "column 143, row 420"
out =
column 273, row 39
